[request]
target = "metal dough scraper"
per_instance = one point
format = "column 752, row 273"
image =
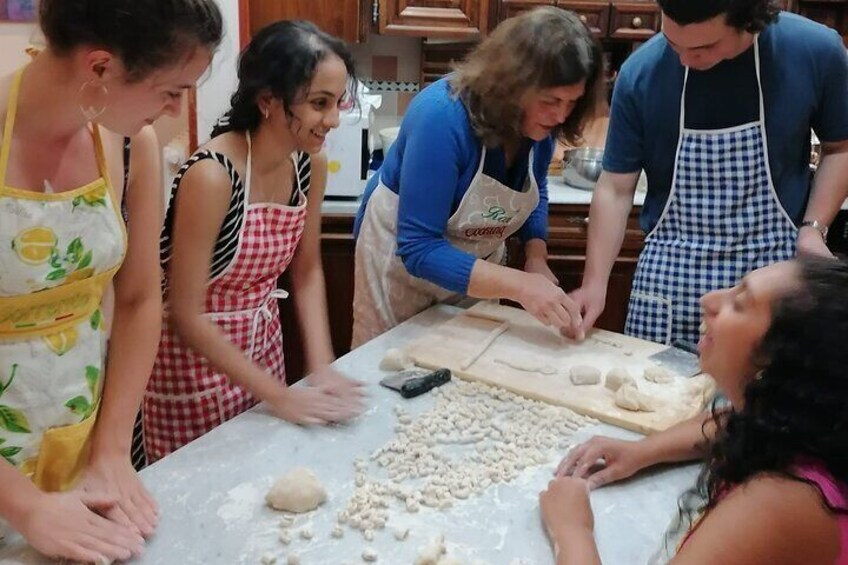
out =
column 679, row 358
column 414, row 382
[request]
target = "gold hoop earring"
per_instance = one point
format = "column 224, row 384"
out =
column 93, row 96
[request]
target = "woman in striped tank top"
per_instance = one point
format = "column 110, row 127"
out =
column 774, row 488
column 243, row 208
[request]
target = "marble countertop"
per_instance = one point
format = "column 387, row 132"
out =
column 211, row 492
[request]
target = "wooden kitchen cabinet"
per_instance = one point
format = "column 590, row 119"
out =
column 337, row 253
column 636, row 21
column 633, row 21
column 509, row 8
column 347, row 19
column 454, row 19
column 594, row 14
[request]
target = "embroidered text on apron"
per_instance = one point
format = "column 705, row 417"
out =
column 722, row 220
column 186, row 397
column 385, row 293
column 58, row 254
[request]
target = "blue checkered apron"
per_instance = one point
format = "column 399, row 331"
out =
column 722, row 220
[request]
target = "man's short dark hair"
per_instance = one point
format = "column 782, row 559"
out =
column 745, row 15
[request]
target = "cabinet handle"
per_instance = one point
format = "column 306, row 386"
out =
column 584, row 19
column 637, row 22
column 577, row 220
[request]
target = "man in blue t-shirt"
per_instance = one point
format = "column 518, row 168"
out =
column 717, row 110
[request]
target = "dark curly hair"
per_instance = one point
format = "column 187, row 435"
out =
column 746, row 15
column 145, row 34
column 797, row 407
column 541, row 48
column 281, row 58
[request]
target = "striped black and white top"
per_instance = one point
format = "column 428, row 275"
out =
column 228, row 236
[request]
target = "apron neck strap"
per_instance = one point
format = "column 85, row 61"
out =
column 482, row 160
column 100, row 154
column 11, row 112
column 248, row 168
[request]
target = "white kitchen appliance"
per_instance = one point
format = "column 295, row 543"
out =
column 347, row 153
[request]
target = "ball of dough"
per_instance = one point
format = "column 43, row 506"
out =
column 629, row 398
column 584, row 375
column 617, row 377
column 654, row 374
column 297, row 491
column 369, row 555
column 396, row 360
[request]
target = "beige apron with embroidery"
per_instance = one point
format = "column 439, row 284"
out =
column 58, row 253
column 385, row 293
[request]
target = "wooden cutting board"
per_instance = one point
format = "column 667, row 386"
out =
column 529, row 344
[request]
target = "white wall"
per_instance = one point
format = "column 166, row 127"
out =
column 14, row 38
column 215, row 89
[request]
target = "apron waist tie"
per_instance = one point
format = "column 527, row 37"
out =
column 264, row 312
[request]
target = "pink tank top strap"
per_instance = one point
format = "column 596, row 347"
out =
column 836, row 494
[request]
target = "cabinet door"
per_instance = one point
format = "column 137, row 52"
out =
column 342, row 18
column 457, row 19
column 337, row 255
column 510, row 8
column 634, row 20
column 594, row 14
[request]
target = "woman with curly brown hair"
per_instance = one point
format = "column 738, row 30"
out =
column 468, row 170
column 774, row 488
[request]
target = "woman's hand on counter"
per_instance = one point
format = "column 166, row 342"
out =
column 603, row 460
column 113, row 476
column 336, row 383
column 316, row 405
column 72, row 525
column 569, row 521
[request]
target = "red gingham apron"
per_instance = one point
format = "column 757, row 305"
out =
column 186, row 397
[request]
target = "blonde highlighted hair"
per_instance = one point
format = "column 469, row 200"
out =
column 542, row 48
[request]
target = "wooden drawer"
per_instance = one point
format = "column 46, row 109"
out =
column 634, row 20
column 594, row 14
column 568, row 230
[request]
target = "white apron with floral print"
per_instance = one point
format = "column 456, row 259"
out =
column 58, row 252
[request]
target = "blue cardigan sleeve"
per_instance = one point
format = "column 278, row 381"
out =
column 436, row 151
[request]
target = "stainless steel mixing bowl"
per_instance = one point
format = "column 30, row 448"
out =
column 582, row 167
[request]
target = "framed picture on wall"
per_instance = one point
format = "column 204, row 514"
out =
column 18, row 10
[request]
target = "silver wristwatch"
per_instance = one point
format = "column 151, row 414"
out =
column 816, row 225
